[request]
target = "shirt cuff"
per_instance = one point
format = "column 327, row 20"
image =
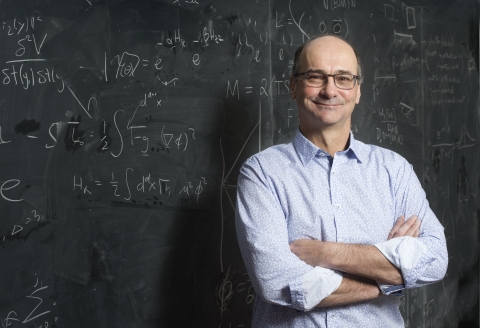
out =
column 403, row 252
column 311, row 288
column 394, row 290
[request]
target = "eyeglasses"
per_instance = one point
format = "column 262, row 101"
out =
column 316, row 79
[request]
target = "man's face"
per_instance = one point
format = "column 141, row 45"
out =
column 327, row 106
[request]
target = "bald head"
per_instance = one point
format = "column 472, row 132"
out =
column 324, row 41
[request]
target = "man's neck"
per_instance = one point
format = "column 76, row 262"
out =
column 330, row 140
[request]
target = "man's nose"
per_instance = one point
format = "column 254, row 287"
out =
column 329, row 90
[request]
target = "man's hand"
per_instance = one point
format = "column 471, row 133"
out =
column 411, row 227
column 309, row 251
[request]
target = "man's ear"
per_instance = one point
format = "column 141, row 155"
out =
column 358, row 95
column 292, row 88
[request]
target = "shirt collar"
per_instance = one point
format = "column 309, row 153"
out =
column 306, row 150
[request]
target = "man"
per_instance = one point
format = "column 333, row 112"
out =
column 317, row 217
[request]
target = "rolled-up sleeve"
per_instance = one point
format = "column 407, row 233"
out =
column 277, row 274
column 422, row 260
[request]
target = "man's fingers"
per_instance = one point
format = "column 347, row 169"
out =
column 307, row 250
column 405, row 228
column 398, row 224
column 301, row 246
column 294, row 246
column 414, row 228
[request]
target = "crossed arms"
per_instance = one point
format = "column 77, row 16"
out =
column 363, row 265
column 287, row 270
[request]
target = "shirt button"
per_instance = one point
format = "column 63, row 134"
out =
column 338, row 206
column 333, row 172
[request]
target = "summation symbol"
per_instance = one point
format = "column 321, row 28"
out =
column 13, row 316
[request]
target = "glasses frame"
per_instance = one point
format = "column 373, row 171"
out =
column 355, row 79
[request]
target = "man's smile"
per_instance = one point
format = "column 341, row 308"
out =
column 319, row 103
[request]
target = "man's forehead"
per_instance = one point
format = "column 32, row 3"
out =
column 329, row 46
column 330, row 42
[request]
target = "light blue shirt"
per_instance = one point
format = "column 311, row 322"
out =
column 297, row 190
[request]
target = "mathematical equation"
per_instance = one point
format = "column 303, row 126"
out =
column 445, row 150
column 267, row 88
column 75, row 137
column 232, row 286
column 35, row 302
column 159, row 187
column 413, row 307
column 445, row 65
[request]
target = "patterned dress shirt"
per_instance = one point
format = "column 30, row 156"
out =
column 297, row 190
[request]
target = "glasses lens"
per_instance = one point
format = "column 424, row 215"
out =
column 344, row 81
column 315, row 79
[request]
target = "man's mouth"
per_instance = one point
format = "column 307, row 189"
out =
column 325, row 104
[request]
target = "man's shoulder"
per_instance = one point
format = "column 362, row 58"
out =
column 374, row 153
column 273, row 157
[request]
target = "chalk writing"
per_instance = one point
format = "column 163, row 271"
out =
column 1, row 139
column 266, row 87
column 8, row 185
column 158, row 187
column 27, row 77
column 36, row 307
column 391, row 134
column 335, row 4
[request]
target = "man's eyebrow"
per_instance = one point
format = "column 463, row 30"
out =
column 321, row 71
column 342, row 71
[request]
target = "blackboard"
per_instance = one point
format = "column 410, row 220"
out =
column 123, row 125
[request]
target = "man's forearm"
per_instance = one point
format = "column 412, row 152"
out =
column 360, row 260
column 353, row 289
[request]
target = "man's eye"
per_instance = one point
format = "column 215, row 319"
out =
column 343, row 78
column 315, row 77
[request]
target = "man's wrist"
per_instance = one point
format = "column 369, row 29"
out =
column 373, row 290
